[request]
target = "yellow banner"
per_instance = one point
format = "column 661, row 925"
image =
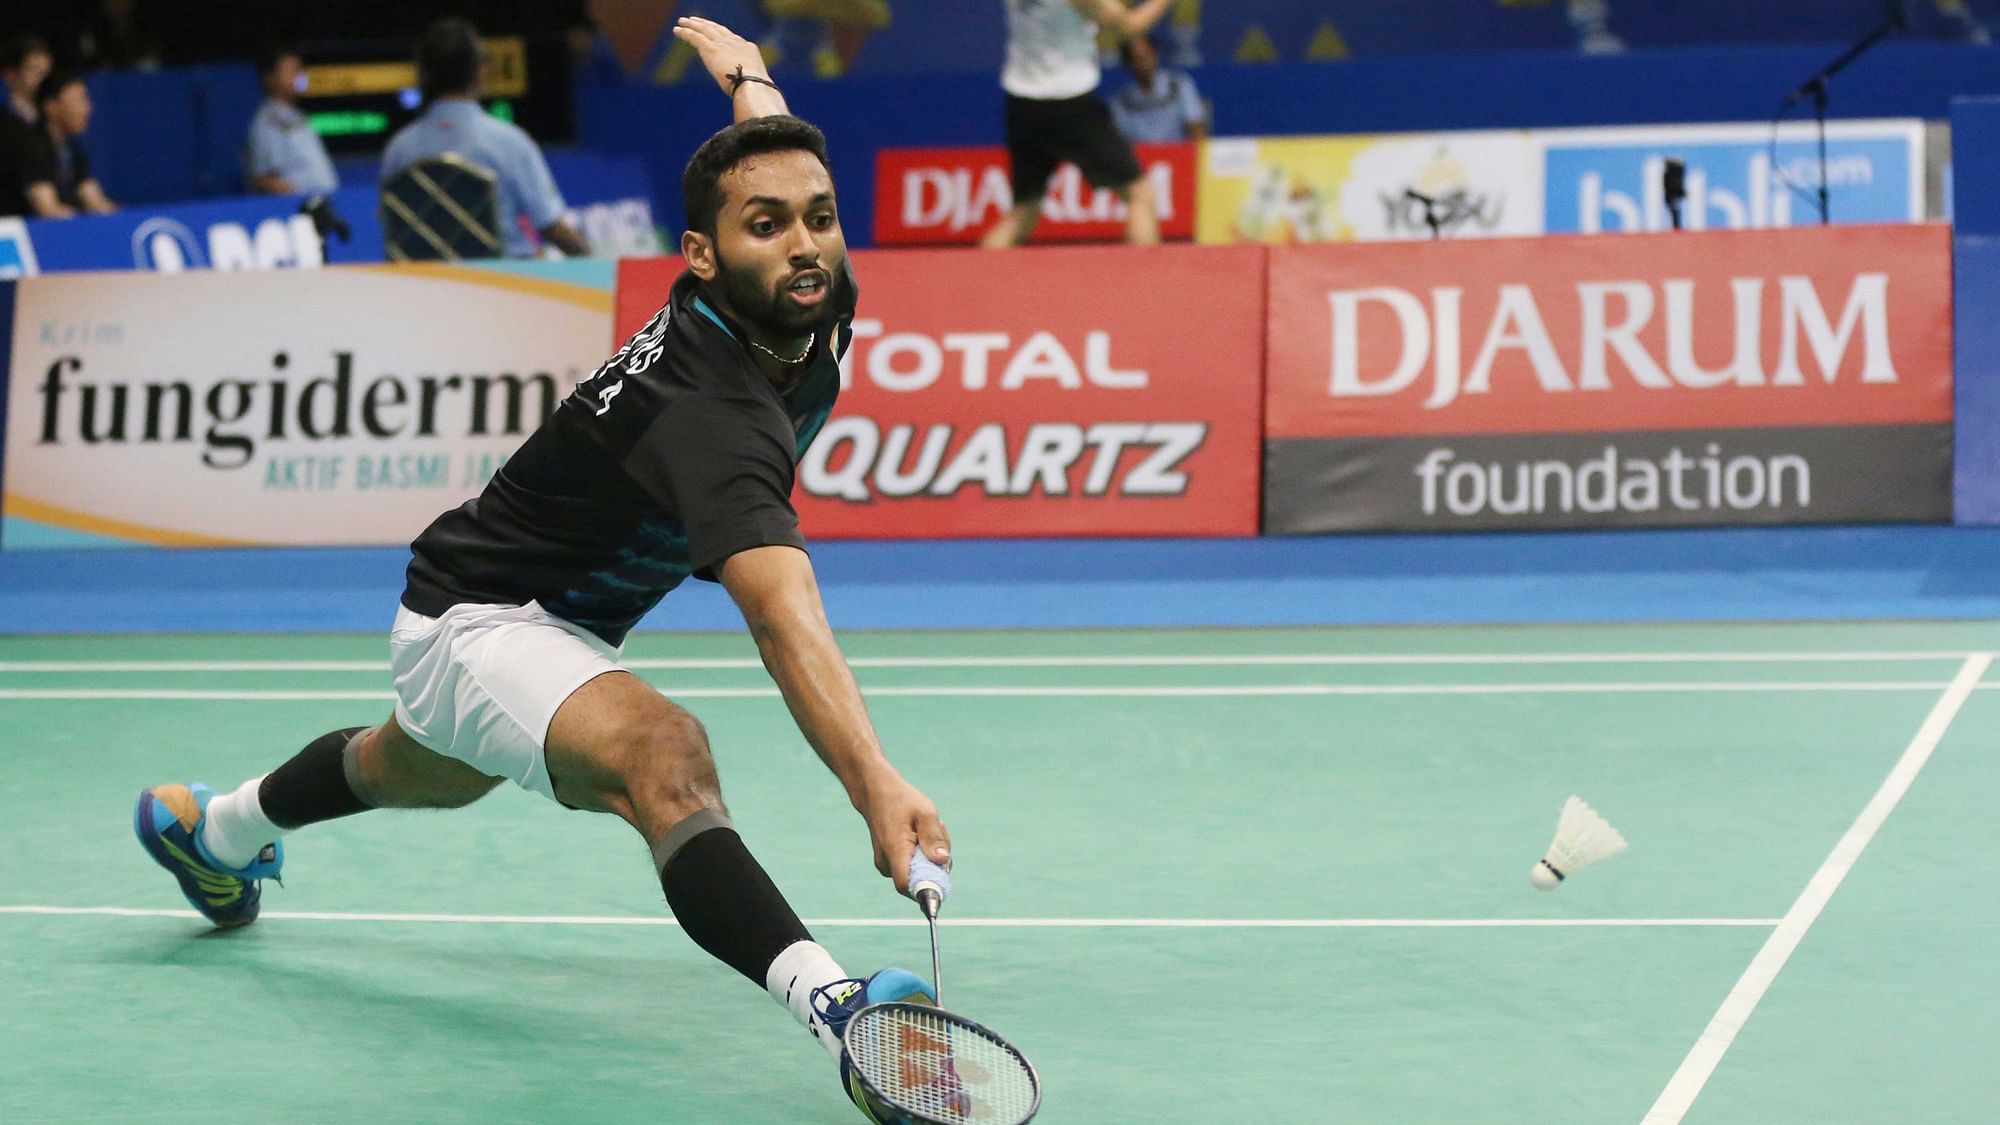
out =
column 1368, row 187
column 1275, row 191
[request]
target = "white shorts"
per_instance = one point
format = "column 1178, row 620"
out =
column 482, row 683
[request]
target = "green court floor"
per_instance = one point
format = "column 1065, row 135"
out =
column 1270, row 875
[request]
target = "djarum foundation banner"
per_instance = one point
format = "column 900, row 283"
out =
column 1729, row 377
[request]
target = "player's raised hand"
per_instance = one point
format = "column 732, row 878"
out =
column 728, row 56
column 901, row 818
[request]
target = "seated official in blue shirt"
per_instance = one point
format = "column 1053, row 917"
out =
column 1161, row 105
column 286, row 157
column 448, row 68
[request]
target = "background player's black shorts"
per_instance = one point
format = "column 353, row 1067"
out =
column 1042, row 134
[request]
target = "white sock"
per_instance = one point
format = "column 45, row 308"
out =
column 802, row 967
column 235, row 828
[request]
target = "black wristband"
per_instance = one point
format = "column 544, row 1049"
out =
column 737, row 80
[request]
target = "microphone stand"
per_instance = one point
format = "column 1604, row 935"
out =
column 1673, row 187
column 326, row 221
column 1815, row 88
column 1430, row 207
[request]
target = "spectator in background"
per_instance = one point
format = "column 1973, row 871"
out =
column 286, row 156
column 24, row 62
column 1161, row 105
column 57, row 180
column 116, row 36
column 448, row 68
column 1055, row 114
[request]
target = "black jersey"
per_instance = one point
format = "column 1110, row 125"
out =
column 676, row 454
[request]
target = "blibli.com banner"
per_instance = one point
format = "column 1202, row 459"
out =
column 1736, row 176
column 338, row 406
column 1413, row 186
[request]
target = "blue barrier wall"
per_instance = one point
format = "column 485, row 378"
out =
column 1975, row 127
column 1760, row 574
column 610, row 194
column 179, row 134
column 172, row 134
column 187, row 234
column 664, row 124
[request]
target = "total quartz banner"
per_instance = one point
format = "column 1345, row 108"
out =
column 1060, row 391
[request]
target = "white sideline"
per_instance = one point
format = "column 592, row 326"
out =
column 1052, row 691
column 1699, row 1065
column 1135, row 660
column 965, row 923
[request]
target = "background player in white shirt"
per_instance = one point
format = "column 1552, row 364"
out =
column 1054, row 113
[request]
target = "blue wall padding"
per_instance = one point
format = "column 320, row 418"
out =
column 171, row 134
column 1975, row 157
column 1762, row 573
column 1975, row 129
column 1976, row 379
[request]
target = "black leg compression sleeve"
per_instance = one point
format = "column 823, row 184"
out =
column 314, row 785
column 723, row 898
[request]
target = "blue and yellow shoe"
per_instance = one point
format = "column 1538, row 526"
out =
column 168, row 822
column 836, row 1004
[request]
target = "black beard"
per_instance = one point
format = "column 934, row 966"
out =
column 767, row 313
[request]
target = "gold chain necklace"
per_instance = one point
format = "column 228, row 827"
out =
column 799, row 358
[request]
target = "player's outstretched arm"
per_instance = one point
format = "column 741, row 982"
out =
column 1126, row 23
column 779, row 597
column 735, row 64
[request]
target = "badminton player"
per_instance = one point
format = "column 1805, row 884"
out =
column 675, row 460
column 1055, row 114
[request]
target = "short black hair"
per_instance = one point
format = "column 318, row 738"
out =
column 448, row 58
column 59, row 79
column 15, row 49
column 701, row 184
column 271, row 54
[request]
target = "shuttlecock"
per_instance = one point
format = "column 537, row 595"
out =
column 1582, row 838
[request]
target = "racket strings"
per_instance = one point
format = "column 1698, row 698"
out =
column 940, row 1069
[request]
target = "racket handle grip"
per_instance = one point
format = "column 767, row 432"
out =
column 928, row 880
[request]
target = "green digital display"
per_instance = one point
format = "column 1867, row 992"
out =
column 349, row 123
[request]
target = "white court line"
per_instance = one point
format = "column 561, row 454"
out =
column 975, row 691
column 1388, row 659
column 219, row 695
column 194, row 666
column 1702, row 1059
column 965, row 923
column 1130, row 661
